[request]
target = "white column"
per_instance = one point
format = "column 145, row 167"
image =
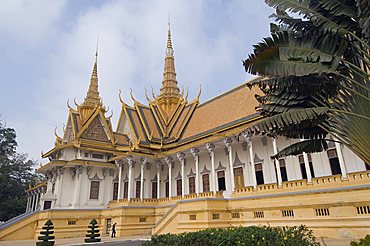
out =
column 211, row 149
column 181, row 157
column 195, row 153
column 28, row 203
column 60, row 174
column 307, row 166
column 37, row 200
column 342, row 164
column 131, row 162
column 169, row 161
column 120, row 164
column 228, row 142
column 78, row 177
column 158, row 162
column 102, row 188
column 251, row 158
column 277, row 164
column 143, row 162
column 31, row 202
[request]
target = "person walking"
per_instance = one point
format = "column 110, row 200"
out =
column 114, row 230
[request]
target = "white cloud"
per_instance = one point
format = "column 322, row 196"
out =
column 29, row 20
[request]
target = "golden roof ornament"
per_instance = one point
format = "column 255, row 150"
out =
column 92, row 98
column 169, row 88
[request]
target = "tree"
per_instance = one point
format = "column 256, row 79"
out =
column 45, row 237
column 315, row 75
column 93, row 235
column 15, row 175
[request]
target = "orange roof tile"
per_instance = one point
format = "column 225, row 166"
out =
column 226, row 109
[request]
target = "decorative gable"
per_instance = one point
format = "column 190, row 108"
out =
column 95, row 131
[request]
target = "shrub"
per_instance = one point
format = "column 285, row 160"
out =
column 238, row 236
column 93, row 235
column 363, row 242
column 46, row 235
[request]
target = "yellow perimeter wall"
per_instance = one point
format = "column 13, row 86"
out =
column 332, row 207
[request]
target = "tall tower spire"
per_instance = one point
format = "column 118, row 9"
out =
column 92, row 98
column 169, row 88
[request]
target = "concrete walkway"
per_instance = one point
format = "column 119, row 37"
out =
column 79, row 241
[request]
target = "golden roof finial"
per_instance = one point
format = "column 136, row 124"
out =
column 92, row 98
column 169, row 87
column 169, row 41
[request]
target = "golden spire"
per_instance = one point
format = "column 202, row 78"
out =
column 169, row 88
column 92, row 98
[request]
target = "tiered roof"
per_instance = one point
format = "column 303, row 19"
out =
column 166, row 124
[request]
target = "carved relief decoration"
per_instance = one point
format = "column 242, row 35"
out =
column 95, row 131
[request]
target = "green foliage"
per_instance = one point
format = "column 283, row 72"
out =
column 315, row 74
column 93, row 235
column 46, row 235
column 239, row 236
column 15, row 175
column 363, row 242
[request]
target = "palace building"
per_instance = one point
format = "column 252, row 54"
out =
column 175, row 164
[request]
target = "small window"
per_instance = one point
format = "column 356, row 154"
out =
column 287, row 213
column 94, row 190
column 363, row 210
column 142, row 219
column 192, row 217
column 97, row 156
column 235, row 215
column 86, row 155
column 72, row 222
column 322, row 212
column 258, row 214
column 53, row 188
column 215, row 216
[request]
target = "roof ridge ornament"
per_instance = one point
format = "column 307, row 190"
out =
column 92, row 97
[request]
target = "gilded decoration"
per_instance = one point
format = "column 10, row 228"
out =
column 95, row 131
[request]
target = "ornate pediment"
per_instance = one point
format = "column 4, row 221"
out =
column 95, row 131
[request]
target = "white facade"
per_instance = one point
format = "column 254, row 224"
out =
column 75, row 186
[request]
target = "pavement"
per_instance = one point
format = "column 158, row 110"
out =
column 106, row 241
column 137, row 240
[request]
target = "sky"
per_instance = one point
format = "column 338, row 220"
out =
column 47, row 53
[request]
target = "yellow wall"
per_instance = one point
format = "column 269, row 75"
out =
column 340, row 197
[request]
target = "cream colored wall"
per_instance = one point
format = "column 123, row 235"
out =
column 352, row 161
column 340, row 196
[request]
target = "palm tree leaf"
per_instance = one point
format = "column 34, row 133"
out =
column 308, row 10
column 284, row 56
column 307, row 146
column 291, row 118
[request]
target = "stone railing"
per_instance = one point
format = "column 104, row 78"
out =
column 190, row 196
column 317, row 183
column 163, row 200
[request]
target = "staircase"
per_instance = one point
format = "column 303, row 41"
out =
column 20, row 227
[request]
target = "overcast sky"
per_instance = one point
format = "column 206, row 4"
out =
column 47, row 53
